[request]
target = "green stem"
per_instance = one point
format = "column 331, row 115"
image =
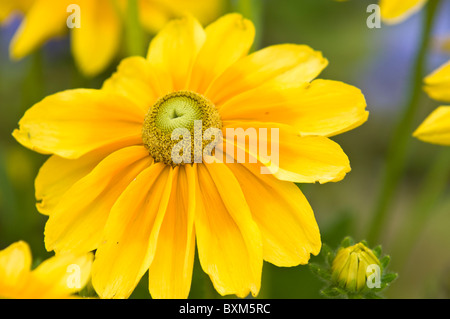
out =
column 33, row 85
column 399, row 146
column 134, row 34
column 434, row 184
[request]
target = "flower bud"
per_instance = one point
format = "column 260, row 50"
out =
column 350, row 268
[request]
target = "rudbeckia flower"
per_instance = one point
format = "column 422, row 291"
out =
column 52, row 279
column 97, row 41
column 436, row 127
column 111, row 184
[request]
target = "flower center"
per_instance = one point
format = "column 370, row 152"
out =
column 178, row 112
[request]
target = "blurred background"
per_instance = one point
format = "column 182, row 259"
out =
column 378, row 61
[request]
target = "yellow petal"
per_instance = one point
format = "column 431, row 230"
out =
column 436, row 127
column 75, row 122
column 395, row 11
column 15, row 264
column 227, row 40
column 228, row 240
column 175, row 49
column 170, row 273
column 96, row 42
column 285, row 64
column 45, row 20
column 204, row 10
column 154, row 14
column 323, row 107
column 288, row 227
column 59, row 276
column 130, row 237
column 307, row 159
column 437, row 84
column 58, row 174
column 137, row 81
column 77, row 221
column 9, row 8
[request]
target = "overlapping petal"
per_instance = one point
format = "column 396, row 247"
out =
column 131, row 233
column 50, row 187
column 227, row 40
column 77, row 222
column 75, row 122
column 185, row 36
column 174, row 257
column 228, row 240
column 285, row 154
column 323, row 107
column 137, row 81
column 282, row 65
column 290, row 238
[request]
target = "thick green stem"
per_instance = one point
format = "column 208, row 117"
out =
column 397, row 152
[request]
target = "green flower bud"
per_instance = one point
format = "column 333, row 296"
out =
column 352, row 267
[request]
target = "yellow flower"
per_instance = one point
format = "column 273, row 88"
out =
column 111, row 184
column 436, row 127
column 97, row 41
column 350, row 267
column 9, row 8
column 396, row 11
column 437, row 84
column 57, row 277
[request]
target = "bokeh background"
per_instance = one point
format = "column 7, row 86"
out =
column 378, row 61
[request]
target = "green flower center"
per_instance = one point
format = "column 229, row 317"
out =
column 178, row 112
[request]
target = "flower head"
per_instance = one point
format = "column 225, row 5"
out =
column 51, row 279
column 349, row 267
column 111, row 185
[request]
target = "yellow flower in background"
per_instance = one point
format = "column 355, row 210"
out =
column 437, row 84
column 350, row 267
column 58, row 277
column 9, row 8
column 111, row 184
column 396, row 11
column 98, row 40
column 436, row 127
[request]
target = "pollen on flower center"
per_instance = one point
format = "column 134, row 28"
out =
column 177, row 110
